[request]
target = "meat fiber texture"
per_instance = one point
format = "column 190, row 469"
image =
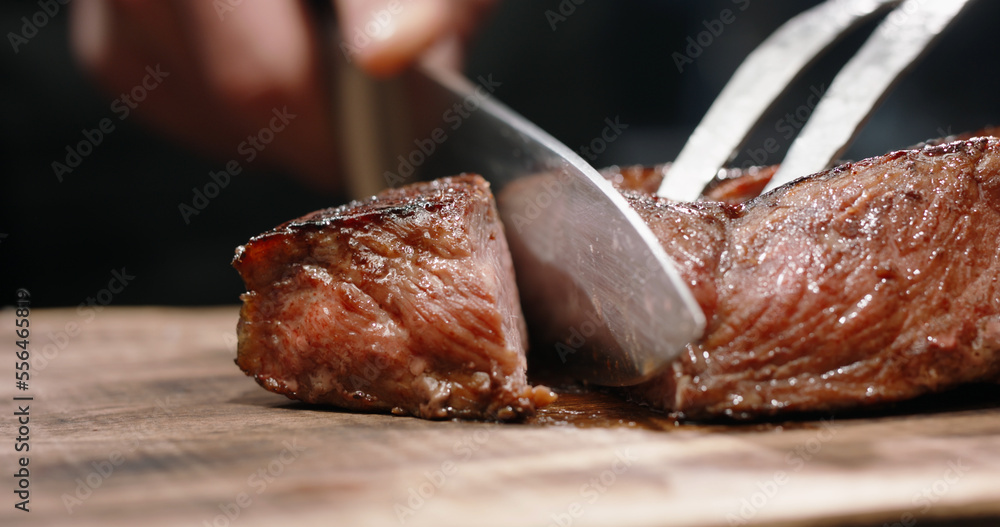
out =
column 404, row 303
column 873, row 282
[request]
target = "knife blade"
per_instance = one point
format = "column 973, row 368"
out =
column 599, row 291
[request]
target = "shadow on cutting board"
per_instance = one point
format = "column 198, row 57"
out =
column 605, row 409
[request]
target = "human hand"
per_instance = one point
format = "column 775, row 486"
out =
column 230, row 65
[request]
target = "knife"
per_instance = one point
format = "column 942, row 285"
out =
column 599, row 292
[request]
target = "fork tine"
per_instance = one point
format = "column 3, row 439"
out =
column 743, row 101
column 862, row 84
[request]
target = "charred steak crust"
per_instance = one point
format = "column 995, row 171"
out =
column 405, row 302
column 872, row 282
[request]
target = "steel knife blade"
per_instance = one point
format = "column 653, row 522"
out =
column 599, row 291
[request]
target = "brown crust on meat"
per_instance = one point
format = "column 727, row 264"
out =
column 872, row 282
column 405, row 303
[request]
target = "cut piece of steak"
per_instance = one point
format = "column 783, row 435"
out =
column 872, row 282
column 404, row 303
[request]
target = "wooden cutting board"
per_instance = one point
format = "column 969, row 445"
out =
column 140, row 417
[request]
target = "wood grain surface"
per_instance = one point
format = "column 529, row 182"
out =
column 140, row 417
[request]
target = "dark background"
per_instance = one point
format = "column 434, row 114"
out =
column 607, row 59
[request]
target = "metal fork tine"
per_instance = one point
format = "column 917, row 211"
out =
column 862, row 84
column 743, row 101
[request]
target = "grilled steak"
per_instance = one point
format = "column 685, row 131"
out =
column 872, row 282
column 735, row 185
column 404, row 303
column 738, row 185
